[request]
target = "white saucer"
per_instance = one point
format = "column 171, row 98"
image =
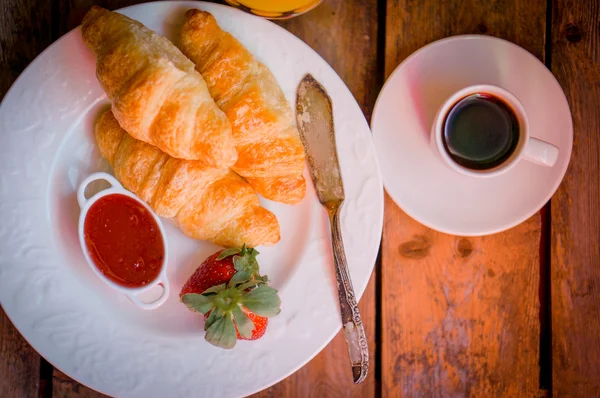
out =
column 420, row 183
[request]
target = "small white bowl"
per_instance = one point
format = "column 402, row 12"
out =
column 131, row 292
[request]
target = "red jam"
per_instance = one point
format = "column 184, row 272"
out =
column 124, row 240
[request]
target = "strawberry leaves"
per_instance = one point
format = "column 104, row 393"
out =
column 245, row 264
column 215, row 289
column 230, row 307
column 228, row 253
column 221, row 332
column 243, row 323
column 197, row 302
column 240, row 277
column 263, row 301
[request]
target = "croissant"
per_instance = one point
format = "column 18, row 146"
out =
column 270, row 153
column 157, row 95
column 206, row 203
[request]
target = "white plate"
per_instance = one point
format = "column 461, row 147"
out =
column 419, row 182
column 98, row 337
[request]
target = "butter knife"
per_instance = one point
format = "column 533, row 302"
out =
column 314, row 114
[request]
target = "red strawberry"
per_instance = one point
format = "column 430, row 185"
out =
column 235, row 300
column 211, row 272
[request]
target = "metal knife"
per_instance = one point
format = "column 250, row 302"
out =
column 314, row 114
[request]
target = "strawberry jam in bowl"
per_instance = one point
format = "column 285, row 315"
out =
column 123, row 241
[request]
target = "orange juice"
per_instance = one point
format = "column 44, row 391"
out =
column 275, row 8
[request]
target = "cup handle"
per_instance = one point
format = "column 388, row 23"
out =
column 164, row 283
column 81, row 199
column 540, row 152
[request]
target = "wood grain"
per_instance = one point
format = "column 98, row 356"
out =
column 460, row 315
column 70, row 12
column 65, row 387
column 575, row 264
column 24, row 33
column 344, row 33
column 19, row 363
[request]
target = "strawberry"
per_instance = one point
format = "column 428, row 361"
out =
column 234, row 298
column 260, row 325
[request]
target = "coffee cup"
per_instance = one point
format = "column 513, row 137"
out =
column 483, row 131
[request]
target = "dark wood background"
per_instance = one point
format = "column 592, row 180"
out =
column 516, row 314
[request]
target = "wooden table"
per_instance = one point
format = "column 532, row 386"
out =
column 515, row 314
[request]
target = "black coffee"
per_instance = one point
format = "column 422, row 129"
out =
column 481, row 132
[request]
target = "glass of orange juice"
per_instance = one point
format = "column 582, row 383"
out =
column 275, row 9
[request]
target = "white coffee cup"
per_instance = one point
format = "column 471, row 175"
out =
column 528, row 148
column 131, row 292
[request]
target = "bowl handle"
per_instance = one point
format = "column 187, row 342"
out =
column 164, row 283
column 81, row 199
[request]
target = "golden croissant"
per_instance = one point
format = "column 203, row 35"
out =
column 206, row 203
column 270, row 153
column 156, row 93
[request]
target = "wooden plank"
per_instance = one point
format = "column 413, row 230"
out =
column 19, row 363
column 69, row 13
column 24, row 33
column 460, row 316
column 344, row 33
column 575, row 254
column 65, row 387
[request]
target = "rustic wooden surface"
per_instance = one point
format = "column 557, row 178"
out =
column 19, row 363
column 445, row 316
column 460, row 315
column 575, row 266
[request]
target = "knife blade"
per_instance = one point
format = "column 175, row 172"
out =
column 314, row 116
column 315, row 122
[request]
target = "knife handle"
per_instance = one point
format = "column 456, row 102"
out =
column 354, row 331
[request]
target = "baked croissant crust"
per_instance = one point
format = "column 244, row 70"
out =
column 156, row 93
column 270, row 153
column 206, row 203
